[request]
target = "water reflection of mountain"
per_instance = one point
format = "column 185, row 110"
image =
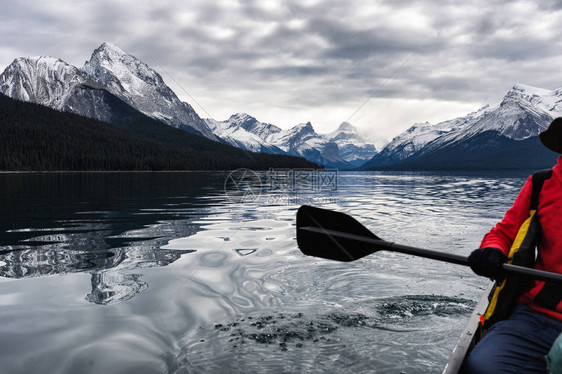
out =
column 105, row 224
column 108, row 287
column 109, row 281
column 47, row 261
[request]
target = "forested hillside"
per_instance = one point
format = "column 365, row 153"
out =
column 34, row 137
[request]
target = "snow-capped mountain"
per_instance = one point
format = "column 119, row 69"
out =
column 522, row 114
column 246, row 132
column 418, row 136
column 411, row 141
column 303, row 141
column 137, row 84
column 240, row 131
column 54, row 83
column 353, row 148
column 112, row 79
column 265, row 131
column 41, row 80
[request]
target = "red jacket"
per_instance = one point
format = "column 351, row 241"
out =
column 550, row 217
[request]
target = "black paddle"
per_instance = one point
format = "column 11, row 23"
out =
column 338, row 236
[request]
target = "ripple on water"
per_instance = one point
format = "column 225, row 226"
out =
column 221, row 273
column 267, row 341
column 245, row 251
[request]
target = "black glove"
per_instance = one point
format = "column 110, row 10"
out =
column 488, row 262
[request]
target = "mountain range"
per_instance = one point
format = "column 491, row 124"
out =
column 501, row 136
column 111, row 72
column 114, row 86
column 343, row 148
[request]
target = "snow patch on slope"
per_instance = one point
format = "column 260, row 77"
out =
column 138, row 85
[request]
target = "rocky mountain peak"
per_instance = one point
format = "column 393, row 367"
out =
column 110, row 64
column 304, row 127
column 108, row 47
column 244, row 120
column 347, row 127
column 143, row 88
column 42, row 80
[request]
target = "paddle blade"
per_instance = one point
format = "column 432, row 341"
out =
column 324, row 245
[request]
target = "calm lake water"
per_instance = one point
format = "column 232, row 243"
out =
column 168, row 273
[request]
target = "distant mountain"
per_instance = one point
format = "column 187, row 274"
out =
column 137, row 84
column 353, row 148
column 344, row 148
column 486, row 139
column 264, row 131
column 245, row 132
column 414, row 139
column 303, row 141
column 35, row 137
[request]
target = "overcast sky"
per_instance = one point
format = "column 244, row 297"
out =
column 288, row 62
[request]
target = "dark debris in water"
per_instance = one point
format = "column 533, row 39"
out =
column 349, row 320
column 288, row 331
column 424, row 305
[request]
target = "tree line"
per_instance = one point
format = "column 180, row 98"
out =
column 36, row 138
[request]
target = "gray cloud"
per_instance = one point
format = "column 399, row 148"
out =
column 308, row 56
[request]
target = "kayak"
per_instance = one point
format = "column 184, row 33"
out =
column 469, row 336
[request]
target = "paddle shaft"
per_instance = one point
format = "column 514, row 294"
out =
column 435, row 255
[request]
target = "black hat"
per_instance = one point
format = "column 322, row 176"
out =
column 551, row 138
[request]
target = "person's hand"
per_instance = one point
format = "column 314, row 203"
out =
column 488, row 262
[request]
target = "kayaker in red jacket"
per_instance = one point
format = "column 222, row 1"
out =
column 519, row 344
